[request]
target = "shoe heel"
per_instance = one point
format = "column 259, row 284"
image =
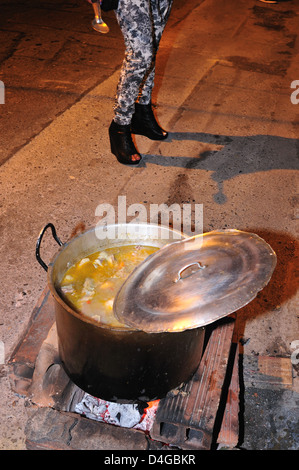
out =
column 121, row 144
column 145, row 123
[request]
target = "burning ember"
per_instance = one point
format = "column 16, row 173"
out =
column 119, row 414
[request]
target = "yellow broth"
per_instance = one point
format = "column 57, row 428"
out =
column 91, row 284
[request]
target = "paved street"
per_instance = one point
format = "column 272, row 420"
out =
column 223, row 90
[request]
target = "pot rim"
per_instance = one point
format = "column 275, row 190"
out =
column 80, row 315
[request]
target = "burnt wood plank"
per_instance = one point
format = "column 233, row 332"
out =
column 22, row 361
column 229, row 433
column 49, row 429
column 186, row 419
column 41, row 320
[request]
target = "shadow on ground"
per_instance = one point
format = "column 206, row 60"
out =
column 236, row 155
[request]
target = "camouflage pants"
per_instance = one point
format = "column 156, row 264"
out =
column 142, row 23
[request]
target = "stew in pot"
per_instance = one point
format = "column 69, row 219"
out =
column 91, row 284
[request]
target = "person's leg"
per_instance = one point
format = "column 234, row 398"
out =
column 142, row 23
column 143, row 120
column 135, row 20
column 160, row 11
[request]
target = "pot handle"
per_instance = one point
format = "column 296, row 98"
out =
column 196, row 263
column 38, row 243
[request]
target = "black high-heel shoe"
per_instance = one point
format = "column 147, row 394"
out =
column 145, row 123
column 122, row 145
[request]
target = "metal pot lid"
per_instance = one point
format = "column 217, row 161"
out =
column 194, row 282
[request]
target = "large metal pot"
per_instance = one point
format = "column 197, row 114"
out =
column 122, row 364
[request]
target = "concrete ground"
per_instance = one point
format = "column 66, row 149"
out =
column 223, row 90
